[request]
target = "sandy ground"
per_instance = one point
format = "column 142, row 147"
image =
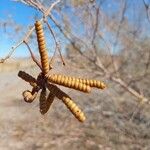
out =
column 107, row 126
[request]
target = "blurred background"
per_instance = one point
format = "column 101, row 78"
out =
column 107, row 40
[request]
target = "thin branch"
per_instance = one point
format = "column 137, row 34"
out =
column 97, row 63
column 137, row 109
column 57, row 45
column 130, row 90
column 95, row 31
column 147, row 7
column 26, row 38
column 45, row 12
column 123, row 9
column 100, row 65
column 32, row 56
column 50, row 8
column 11, row 52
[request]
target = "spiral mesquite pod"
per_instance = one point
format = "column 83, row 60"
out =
column 29, row 96
column 28, row 78
column 68, row 82
column 75, row 110
column 42, row 47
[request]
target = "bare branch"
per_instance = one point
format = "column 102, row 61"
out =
column 57, row 45
column 32, row 56
column 11, row 52
column 73, row 40
column 147, row 7
column 50, row 8
column 26, row 38
column 130, row 90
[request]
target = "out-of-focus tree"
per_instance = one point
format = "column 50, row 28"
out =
column 111, row 36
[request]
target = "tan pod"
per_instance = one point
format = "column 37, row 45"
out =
column 42, row 47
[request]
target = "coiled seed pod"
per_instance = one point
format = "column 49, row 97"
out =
column 42, row 47
column 29, row 96
column 75, row 110
column 68, row 82
column 42, row 100
column 28, row 78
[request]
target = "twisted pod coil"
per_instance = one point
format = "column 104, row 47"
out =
column 29, row 96
column 42, row 47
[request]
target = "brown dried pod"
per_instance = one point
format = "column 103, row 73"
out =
column 42, row 100
column 68, row 82
column 42, row 47
column 28, row 78
column 48, row 102
column 75, row 110
column 29, row 96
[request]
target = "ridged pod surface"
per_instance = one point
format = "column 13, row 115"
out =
column 75, row 110
column 49, row 102
column 68, row 82
column 42, row 100
column 28, row 96
column 93, row 83
column 42, row 47
column 28, row 78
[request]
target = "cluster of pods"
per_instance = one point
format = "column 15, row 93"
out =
column 45, row 81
